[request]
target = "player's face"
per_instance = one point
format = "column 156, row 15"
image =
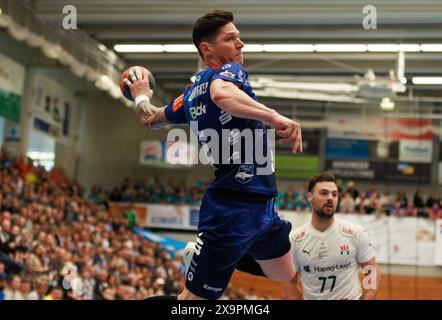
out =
column 324, row 199
column 228, row 45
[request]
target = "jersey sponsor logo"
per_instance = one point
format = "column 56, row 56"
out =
column 207, row 287
column 228, row 74
column 190, row 276
column 323, row 252
column 226, row 66
column 198, row 91
column 245, row 173
column 225, row 117
column 307, row 269
column 299, row 236
column 197, row 111
column 333, row 268
column 178, row 103
column 241, row 76
column 347, row 232
column 345, row 250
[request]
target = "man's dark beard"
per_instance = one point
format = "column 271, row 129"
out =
column 323, row 215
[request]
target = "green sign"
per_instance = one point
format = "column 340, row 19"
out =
column 296, row 167
column 10, row 106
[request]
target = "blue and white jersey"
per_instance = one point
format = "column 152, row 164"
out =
column 196, row 105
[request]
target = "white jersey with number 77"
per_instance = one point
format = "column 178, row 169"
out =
column 329, row 261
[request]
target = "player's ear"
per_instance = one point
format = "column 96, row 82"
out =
column 205, row 48
column 310, row 196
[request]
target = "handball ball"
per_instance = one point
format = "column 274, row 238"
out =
column 125, row 90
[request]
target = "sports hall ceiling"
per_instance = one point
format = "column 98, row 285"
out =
column 114, row 22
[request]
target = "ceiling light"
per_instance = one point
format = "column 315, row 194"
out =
column 409, row 47
column 180, row 48
column 139, row 48
column 386, row 104
column 253, row 48
column 382, row 47
column 427, row 80
column 431, row 47
column 338, row 47
column 289, row 48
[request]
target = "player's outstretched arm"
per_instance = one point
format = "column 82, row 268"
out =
column 292, row 290
column 233, row 100
column 372, row 279
column 149, row 115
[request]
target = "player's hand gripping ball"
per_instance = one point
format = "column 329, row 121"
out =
column 125, row 90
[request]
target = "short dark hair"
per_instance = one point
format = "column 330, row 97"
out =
column 206, row 27
column 321, row 177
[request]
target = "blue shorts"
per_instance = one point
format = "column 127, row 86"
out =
column 227, row 230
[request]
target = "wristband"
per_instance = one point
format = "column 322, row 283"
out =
column 140, row 98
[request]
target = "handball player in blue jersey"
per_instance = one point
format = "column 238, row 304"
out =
column 239, row 227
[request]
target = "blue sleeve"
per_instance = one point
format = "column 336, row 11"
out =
column 174, row 111
column 233, row 72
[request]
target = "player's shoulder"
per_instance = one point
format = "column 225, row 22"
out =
column 230, row 68
column 299, row 234
column 348, row 229
column 231, row 65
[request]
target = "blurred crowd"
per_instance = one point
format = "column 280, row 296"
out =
column 372, row 201
column 57, row 243
column 351, row 198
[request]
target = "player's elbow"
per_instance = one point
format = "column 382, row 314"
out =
column 220, row 95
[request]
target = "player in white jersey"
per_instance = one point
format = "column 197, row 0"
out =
column 329, row 251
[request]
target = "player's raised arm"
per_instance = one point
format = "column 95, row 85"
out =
column 149, row 116
column 233, row 100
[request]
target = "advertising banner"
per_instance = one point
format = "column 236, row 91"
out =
column 52, row 108
column 346, row 149
column 420, row 151
column 380, row 170
column 12, row 77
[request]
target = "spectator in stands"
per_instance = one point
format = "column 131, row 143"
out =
column 360, row 202
column 374, row 204
column 290, row 201
column 3, row 278
column 347, row 204
column 397, row 210
column 435, row 212
column 303, row 205
column 402, row 198
column 432, row 198
column 56, row 293
column 12, row 291
column 26, row 291
column 5, row 235
column 351, row 188
column 42, row 288
column 417, row 200
column 386, row 200
column 410, row 210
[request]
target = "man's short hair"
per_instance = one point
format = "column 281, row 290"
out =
column 321, row 177
column 206, row 27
